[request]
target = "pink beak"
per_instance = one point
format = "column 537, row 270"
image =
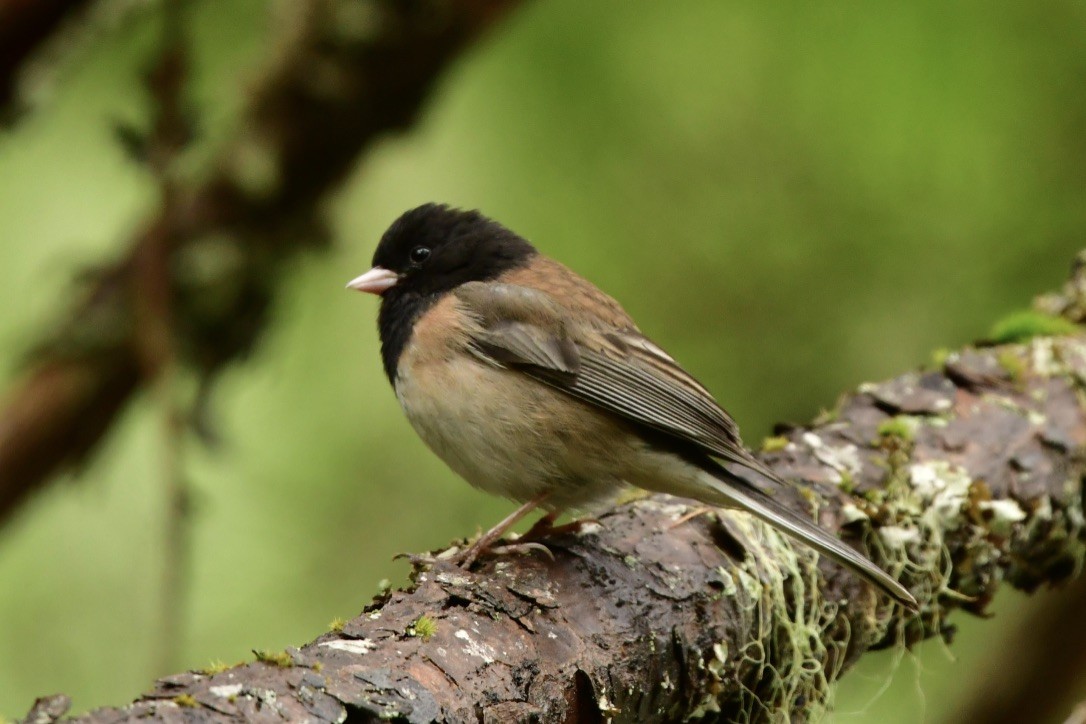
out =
column 377, row 281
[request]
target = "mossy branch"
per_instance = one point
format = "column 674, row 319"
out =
column 957, row 479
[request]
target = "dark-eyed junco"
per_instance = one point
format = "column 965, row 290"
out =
column 533, row 384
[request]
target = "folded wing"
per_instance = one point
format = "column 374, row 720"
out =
column 620, row 371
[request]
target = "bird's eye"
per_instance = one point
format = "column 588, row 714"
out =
column 420, row 254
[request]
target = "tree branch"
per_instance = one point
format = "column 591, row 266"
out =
column 955, row 479
column 24, row 26
column 1049, row 658
column 333, row 89
column 154, row 332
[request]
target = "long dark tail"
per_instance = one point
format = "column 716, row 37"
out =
column 735, row 492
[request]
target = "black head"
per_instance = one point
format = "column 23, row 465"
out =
column 434, row 248
column 431, row 250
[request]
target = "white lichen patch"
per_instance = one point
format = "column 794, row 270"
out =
column 357, row 647
column 707, row 705
column 1004, row 511
column 943, row 489
column 606, row 707
column 727, row 581
column 475, row 648
column 852, row 513
column 1074, row 513
column 932, row 504
column 897, row 537
column 226, row 691
column 1042, row 357
column 674, row 511
column 268, row 697
column 1043, row 510
column 720, row 657
column 748, row 583
column 844, row 459
column 588, row 527
column 1073, row 355
column 453, row 579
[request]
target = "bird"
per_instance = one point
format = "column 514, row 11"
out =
column 531, row 383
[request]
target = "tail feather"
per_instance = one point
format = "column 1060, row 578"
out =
column 738, row 493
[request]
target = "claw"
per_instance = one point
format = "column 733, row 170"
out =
column 429, row 559
column 701, row 510
column 523, row 549
column 464, row 557
column 545, row 527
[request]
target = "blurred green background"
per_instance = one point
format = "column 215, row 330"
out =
column 791, row 197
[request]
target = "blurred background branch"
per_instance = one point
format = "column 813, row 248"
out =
column 25, row 25
column 1044, row 660
column 155, row 329
column 333, row 88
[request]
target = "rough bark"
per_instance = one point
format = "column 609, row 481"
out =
column 957, row 479
column 334, row 88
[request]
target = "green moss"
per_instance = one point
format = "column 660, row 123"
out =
column 794, row 680
column 1012, row 364
column 774, row 444
column 939, row 357
column 875, row 495
column 215, row 667
column 277, row 658
column 424, row 627
column 901, row 426
column 826, row 417
column 186, row 700
column 336, row 624
column 1025, row 325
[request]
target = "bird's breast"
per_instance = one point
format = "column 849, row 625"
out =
column 502, row 431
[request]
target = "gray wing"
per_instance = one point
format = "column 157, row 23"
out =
column 620, row 371
column 520, row 327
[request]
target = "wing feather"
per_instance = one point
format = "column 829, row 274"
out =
column 620, row 371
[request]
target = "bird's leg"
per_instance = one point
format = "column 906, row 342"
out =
column 542, row 527
column 486, row 540
column 545, row 526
